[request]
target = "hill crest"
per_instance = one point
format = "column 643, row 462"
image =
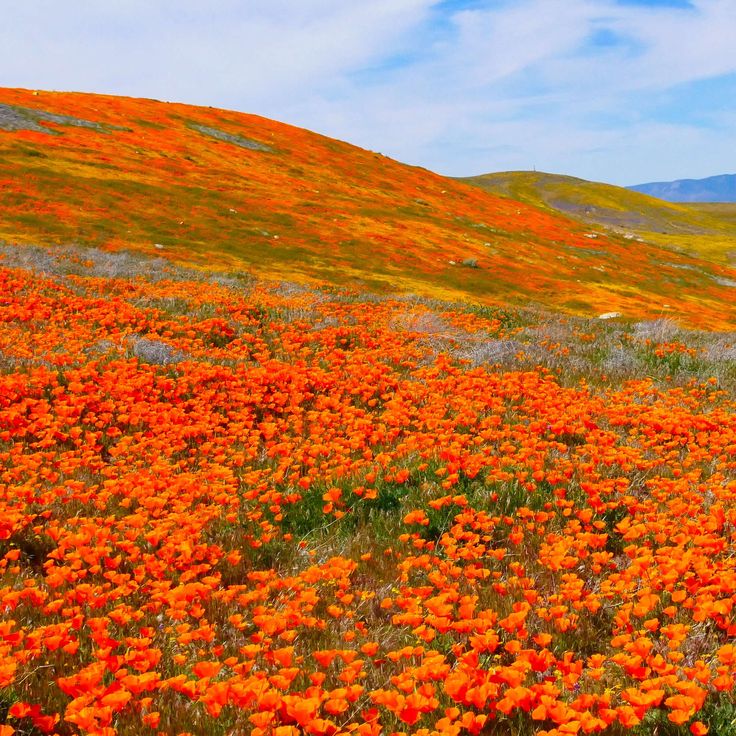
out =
column 229, row 190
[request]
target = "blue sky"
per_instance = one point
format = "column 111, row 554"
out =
column 624, row 91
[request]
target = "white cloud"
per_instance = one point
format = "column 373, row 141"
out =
column 684, row 46
column 491, row 45
column 191, row 50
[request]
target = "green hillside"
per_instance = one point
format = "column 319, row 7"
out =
column 705, row 229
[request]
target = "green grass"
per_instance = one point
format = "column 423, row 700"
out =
column 706, row 229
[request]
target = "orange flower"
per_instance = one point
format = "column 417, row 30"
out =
column 206, row 669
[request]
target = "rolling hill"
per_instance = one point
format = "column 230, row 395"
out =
column 234, row 191
column 707, row 230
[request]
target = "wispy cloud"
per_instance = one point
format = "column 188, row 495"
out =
column 598, row 88
column 260, row 50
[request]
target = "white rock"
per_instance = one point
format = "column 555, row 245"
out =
column 609, row 315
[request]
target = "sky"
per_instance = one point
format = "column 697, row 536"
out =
column 621, row 91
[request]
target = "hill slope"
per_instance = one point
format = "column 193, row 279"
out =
column 707, row 230
column 720, row 188
column 225, row 189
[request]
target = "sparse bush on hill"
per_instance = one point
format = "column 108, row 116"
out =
column 237, row 140
column 14, row 118
column 621, row 363
column 658, row 330
column 154, row 351
column 493, row 352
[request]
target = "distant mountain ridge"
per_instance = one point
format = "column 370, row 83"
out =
column 720, row 188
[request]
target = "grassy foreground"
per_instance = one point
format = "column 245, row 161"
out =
column 232, row 506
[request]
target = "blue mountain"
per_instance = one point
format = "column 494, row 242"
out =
column 713, row 189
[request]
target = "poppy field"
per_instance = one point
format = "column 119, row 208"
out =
column 708, row 229
column 234, row 191
column 231, row 505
